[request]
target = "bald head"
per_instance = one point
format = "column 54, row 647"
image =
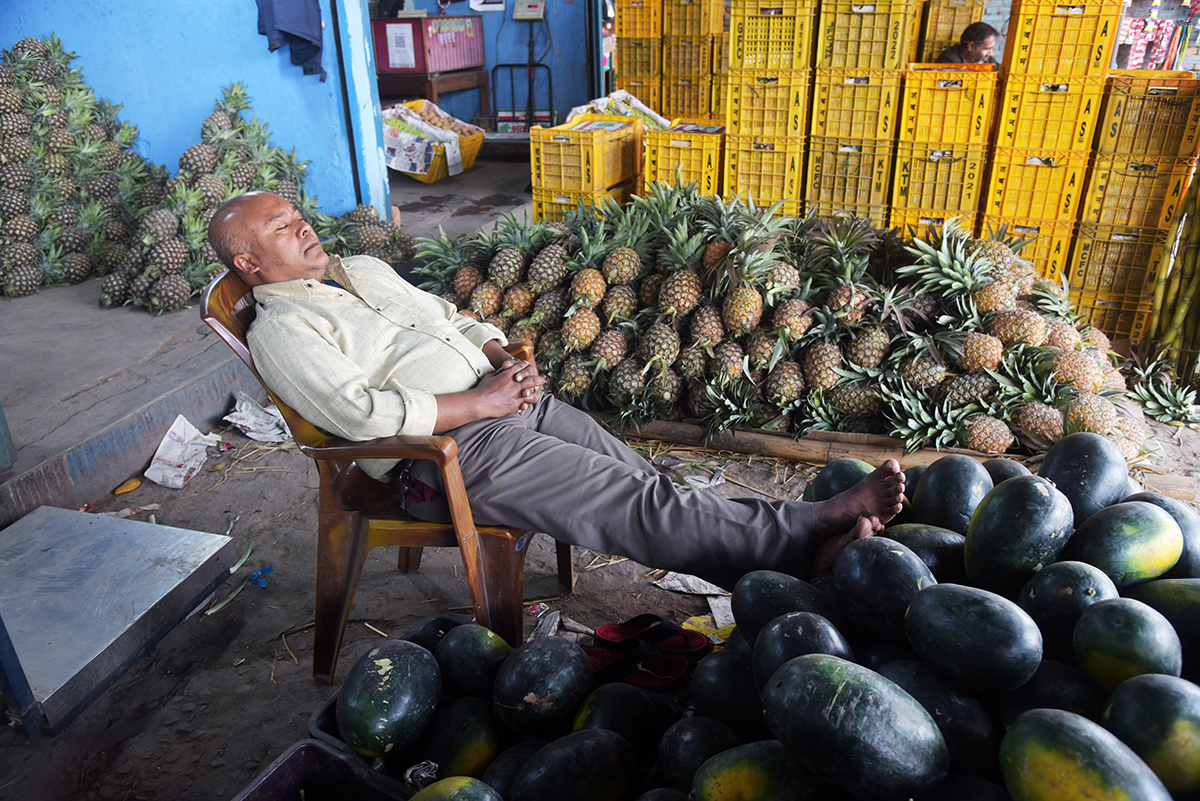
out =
column 225, row 230
column 264, row 238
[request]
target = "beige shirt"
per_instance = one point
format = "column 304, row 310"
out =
column 365, row 361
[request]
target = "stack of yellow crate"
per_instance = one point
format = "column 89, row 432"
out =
column 592, row 156
column 689, row 30
column 944, row 22
column 639, row 26
column 716, row 113
column 767, row 95
column 1146, row 148
column 861, row 51
column 1057, row 57
column 945, row 122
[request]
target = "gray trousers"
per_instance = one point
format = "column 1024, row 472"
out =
column 553, row 469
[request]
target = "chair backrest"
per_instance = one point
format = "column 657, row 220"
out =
column 227, row 306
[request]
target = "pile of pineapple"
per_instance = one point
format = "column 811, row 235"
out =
column 679, row 306
column 71, row 186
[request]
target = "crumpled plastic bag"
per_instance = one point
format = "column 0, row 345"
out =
column 264, row 424
column 180, row 455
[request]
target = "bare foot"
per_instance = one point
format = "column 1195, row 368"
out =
column 826, row 552
column 878, row 497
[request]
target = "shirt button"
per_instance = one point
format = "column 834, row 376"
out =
column 447, row 339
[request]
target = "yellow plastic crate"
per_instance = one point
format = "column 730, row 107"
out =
column 764, row 168
column 936, row 175
column 944, row 24
column 856, row 103
column 1136, row 190
column 849, row 171
column 688, row 153
column 1120, row 261
column 688, row 99
column 948, row 103
column 720, row 90
column 762, row 39
column 721, row 53
column 1075, row 38
column 863, row 35
column 639, row 19
column 555, row 204
column 877, row 215
column 646, row 88
column 1119, row 316
column 767, row 102
column 1052, row 112
column 588, row 154
column 439, row 168
column 915, row 13
column 687, row 56
column 1051, row 245
column 917, row 222
column 693, row 18
column 1150, row 114
column 639, row 57
column 1042, row 184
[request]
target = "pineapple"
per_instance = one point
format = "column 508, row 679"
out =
column 548, row 268
column 822, row 360
column 742, row 307
column 519, row 331
column 580, row 329
column 950, row 270
column 1076, row 370
column 726, row 363
column 785, row 383
column 517, row 302
column 923, row 371
column 506, row 267
column 980, row 352
column 855, row 398
column 486, row 298
column 1041, row 423
column 1063, row 336
column 20, row 228
column 626, row 381
column 576, row 377
column 587, row 288
column 987, row 434
column 721, row 224
column 1097, row 339
column 1085, row 411
column 997, row 296
column 157, row 225
column 620, row 302
column 466, row 279
column 791, row 319
column 114, row 289
column 692, row 363
column 75, row 267
column 23, row 280
column 761, row 350
column 869, row 347
column 169, row 256
column 198, row 159
column 661, row 347
column 1019, row 325
column 550, row 306
column 647, row 292
column 169, row 293
column 968, row 388
column 609, row 349
column 622, row 266
column 706, row 327
column 682, row 287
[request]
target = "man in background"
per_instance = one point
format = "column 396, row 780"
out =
column 975, row 46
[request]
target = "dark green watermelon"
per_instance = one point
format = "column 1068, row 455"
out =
column 912, row 475
column 462, row 738
column 877, row 655
column 687, row 745
column 541, row 685
column 855, row 729
column 939, row 548
column 976, row 638
column 505, row 767
column 760, row 596
column 628, row 711
column 874, row 579
column 965, row 787
column 1131, row 541
column 949, row 491
column 458, row 788
column 971, row 737
column 1121, row 638
column 1188, row 519
column 838, row 476
column 1087, row 468
column 1178, row 600
column 587, row 765
column 760, row 771
column 1054, row 685
column 1002, row 469
column 792, row 635
column 388, row 697
column 1020, row 527
column 1057, row 596
column 470, row 656
column 1159, row 718
column 723, row 688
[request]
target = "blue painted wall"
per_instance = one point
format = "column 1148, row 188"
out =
column 167, row 61
column 559, row 42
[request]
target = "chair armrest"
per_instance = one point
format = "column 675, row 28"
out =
column 522, row 349
column 441, row 450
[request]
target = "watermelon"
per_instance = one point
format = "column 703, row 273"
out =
column 1188, row 519
column 760, row 596
column 912, row 476
column 760, row 771
column 663, row 794
column 1121, row 638
column 971, row 737
column 388, row 698
column 792, row 635
column 541, row 685
column 1087, row 468
column 1159, row 718
column 1178, row 600
column 1055, row 598
column 626, row 710
column 974, row 637
column 470, row 656
column 1054, row 685
column 854, row 728
column 1002, row 469
column 458, row 788
column 687, row 745
column 1051, row 755
column 838, row 476
column 587, row 765
column 873, row 580
column 1131, row 541
column 949, row 491
column 877, row 655
column 723, row 688
column 965, row 787
column 462, row 738
column 939, row 548
column 1018, row 528
column 505, row 767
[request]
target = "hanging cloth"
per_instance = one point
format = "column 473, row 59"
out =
column 296, row 23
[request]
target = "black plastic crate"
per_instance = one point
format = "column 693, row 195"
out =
column 315, row 771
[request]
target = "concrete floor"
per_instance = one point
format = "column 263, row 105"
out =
column 88, row 392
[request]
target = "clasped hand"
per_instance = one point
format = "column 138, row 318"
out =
column 514, row 386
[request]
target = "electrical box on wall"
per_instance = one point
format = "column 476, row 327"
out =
column 529, row 10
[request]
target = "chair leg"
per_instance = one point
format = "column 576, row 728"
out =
column 408, row 560
column 502, row 570
column 566, row 566
column 341, row 551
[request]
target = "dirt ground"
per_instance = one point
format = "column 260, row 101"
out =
column 224, row 694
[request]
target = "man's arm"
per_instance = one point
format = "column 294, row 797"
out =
column 513, row 387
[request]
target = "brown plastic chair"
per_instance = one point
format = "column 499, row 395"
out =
column 355, row 513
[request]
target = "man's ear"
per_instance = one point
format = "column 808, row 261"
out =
column 244, row 263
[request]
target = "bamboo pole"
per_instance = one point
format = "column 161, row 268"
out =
column 1165, row 264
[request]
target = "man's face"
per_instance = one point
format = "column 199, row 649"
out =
column 283, row 247
column 979, row 52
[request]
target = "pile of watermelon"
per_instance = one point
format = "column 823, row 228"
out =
column 1009, row 635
